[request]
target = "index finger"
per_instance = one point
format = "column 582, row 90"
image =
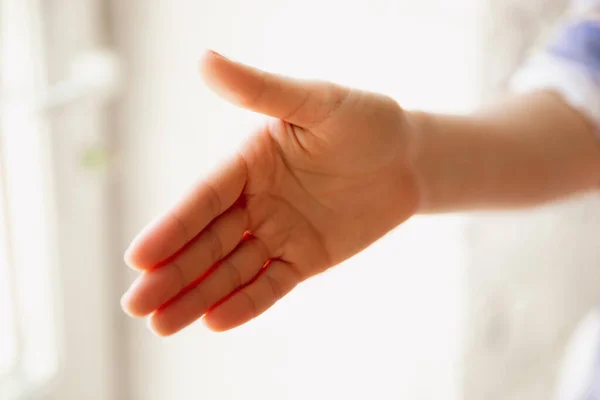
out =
column 170, row 232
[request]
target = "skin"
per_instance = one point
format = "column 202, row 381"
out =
column 331, row 170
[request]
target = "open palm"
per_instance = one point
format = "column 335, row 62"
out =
column 322, row 180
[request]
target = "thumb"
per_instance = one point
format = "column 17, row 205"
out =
column 300, row 102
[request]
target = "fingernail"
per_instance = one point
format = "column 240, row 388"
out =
column 218, row 54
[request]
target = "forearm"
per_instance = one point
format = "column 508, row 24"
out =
column 526, row 151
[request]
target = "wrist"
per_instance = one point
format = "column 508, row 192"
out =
column 421, row 158
column 524, row 151
column 452, row 161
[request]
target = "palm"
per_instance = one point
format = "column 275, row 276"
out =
column 314, row 202
column 294, row 202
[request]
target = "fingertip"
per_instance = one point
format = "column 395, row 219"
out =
column 155, row 330
column 235, row 82
column 212, row 327
column 215, row 324
column 213, row 53
column 153, row 244
column 159, row 325
column 127, row 308
column 133, row 254
column 130, row 259
column 137, row 301
column 206, row 323
column 124, row 305
column 204, row 61
column 207, row 63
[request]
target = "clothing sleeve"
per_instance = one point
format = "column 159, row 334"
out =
column 569, row 62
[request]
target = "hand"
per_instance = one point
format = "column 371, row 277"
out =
column 326, row 177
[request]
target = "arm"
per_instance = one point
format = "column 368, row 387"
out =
column 527, row 150
column 334, row 170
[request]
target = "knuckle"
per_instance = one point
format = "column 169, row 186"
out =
column 251, row 303
column 214, row 200
column 235, row 276
column 275, row 287
column 215, row 246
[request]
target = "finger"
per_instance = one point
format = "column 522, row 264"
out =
column 155, row 287
column 300, row 102
column 273, row 282
column 170, row 232
column 233, row 272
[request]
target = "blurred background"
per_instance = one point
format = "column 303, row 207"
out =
column 104, row 122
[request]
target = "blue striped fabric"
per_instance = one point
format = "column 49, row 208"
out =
column 569, row 62
column 579, row 41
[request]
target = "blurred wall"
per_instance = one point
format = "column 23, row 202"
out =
column 387, row 324
column 91, row 361
column 531, row 275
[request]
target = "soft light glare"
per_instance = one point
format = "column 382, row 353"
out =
column 8, row 340
column 25, row 187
